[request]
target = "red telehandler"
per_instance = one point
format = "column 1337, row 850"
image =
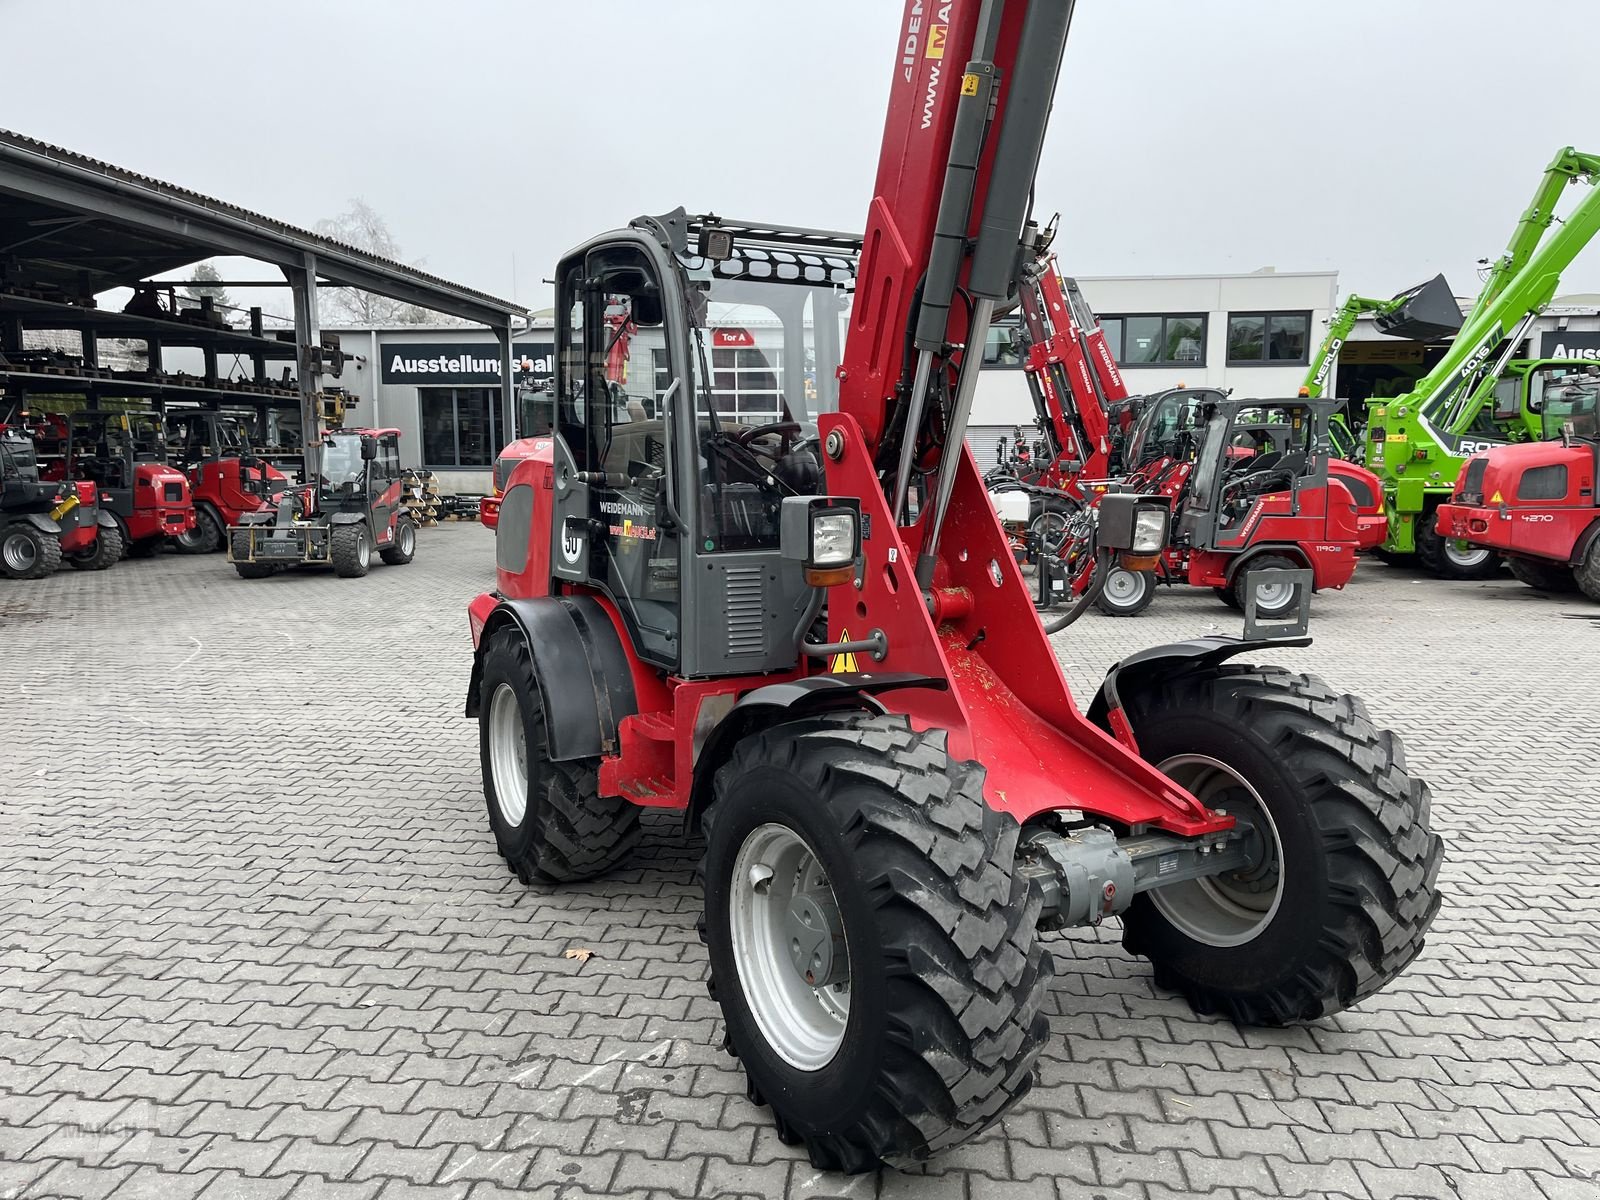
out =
column 803, row 631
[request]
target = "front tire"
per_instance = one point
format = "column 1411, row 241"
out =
column 351, row 550
column 1450, row 558
column 207, row 535
column 862, row 837
column 28, row 552
column 248, row 570
column 106, row 552
column 1587, row 573
column 1544, row 576
column 1127, row 593
column 145, row 547
column 1340, row 903
column 404, row 547
column 549, row 820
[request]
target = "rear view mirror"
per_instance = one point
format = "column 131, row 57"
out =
column 369, row 447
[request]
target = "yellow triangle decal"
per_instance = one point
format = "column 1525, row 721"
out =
column 841, row 664
column 1495, row 499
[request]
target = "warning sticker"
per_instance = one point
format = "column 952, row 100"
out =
column 969, row 85
column 841, row 664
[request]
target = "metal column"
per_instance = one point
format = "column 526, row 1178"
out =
column 308, row 336
column 508, row 390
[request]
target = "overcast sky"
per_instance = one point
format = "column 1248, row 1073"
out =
column 1388, row 139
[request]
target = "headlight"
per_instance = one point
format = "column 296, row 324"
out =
column 1149, row 531
column 833, row 538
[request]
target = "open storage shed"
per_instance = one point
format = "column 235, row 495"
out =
column 73, row 228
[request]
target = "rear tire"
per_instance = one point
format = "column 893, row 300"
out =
column 1127, row 593
column 351, row 550
column 1587, row 574
column 28, row 552
column 1355, row 885
column 1452, row 558
column 248, row 570
column 106, row 552
column 145, row 547
column 207, row 535
column 549, row 820
column 1278, row 600
column 937, row 980
column 1544, row 576
column 404, row 547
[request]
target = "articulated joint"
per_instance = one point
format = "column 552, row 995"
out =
column 1089, row 874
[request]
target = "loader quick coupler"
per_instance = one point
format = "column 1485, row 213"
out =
column 1088, row 874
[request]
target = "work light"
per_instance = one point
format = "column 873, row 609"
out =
column 1149, row 530
column 824, row 534
column 833, row 537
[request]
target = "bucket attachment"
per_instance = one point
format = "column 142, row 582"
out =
column 1426, row 313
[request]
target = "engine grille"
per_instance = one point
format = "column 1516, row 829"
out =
column 746, row 607
column 1471, row 488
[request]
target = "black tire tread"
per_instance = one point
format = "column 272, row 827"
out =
column 344, row 551
column 1373, row 816
column 392, row 554
column 49, row 558
column 1545, row 576
column 1430, row 552
column 1587, row 574
column 248, row 570
column 1144, row 602
column 107, row 551
column 578, row 834
column 967, row 1018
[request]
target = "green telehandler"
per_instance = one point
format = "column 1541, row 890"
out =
column 1475, row 396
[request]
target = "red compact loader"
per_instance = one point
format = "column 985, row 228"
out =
column 789, row 614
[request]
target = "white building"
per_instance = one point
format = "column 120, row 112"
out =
column 1253, row 333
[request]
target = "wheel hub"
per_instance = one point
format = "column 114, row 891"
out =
column 1464, row 554
column 1123, row 585
column 816, row 938
column 19, row 552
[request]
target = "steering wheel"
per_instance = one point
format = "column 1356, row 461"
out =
column 784, row 429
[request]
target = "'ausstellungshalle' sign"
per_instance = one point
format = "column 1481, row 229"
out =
column 447, row 363
column 1570, row 343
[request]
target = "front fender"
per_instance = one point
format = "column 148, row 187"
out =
column 105, row 520
column 777, row 702
column 42, row 522
column 578, row 662
column 1157, row 665
column 347, row 518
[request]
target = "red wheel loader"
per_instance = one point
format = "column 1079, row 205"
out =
column 226, row 479
column 789, row 614
column 44, row 523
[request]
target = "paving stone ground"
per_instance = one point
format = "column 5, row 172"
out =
column 255, row 940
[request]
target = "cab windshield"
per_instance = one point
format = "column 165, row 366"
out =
column 1168, row 428
column 1566, row 395
column 341, row 461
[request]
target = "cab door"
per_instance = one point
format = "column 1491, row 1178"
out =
column 384, row 488
column 613, row 461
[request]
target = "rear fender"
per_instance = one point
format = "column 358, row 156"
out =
column 572, row 642
column 1587, row 539
column 779, row 702
column 1158, row 666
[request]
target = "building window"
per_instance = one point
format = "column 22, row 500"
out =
column 1268, row 337
column 744, row 382
column 1156, row 339
column 460, row 426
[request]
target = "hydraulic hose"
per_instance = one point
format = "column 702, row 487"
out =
column 1097, row 584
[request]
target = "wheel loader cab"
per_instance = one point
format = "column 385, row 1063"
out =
column 1245, row 451
column 687, row 392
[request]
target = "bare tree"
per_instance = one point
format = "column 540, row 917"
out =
column 364, row 228
column 205, row 280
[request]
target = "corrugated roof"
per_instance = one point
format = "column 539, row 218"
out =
column 264, row 224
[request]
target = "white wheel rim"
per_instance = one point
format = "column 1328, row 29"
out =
column 1270, row 597
column 408, row 537
column 363, row 551
column 1124, row 587
column 774, row 874
column 508, row 755
column 20, row 553
column 1230, row 909
column 1465, row 554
